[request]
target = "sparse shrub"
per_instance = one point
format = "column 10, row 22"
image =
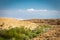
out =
column 22, row 33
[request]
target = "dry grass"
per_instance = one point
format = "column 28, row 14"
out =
column 6, row 23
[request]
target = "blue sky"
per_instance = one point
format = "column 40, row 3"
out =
column 27, row 9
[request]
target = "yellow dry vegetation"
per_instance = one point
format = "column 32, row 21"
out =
column 6, row 23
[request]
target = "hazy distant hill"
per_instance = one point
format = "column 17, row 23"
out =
column 47, row 21
column 10, row 22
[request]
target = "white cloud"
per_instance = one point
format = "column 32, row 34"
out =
column 43, row 10
column 31, row 10
column 35, row 10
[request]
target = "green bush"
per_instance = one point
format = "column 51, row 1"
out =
column 22, row 33
column 1, row 38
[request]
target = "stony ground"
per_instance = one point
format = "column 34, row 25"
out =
column 52, row 34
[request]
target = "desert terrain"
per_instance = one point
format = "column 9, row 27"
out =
column 52, row 34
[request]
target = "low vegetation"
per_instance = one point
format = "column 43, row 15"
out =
column 22, row 33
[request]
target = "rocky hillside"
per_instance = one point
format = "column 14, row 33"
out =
column 46, row 21
column 6, row 23
column 52, row 34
